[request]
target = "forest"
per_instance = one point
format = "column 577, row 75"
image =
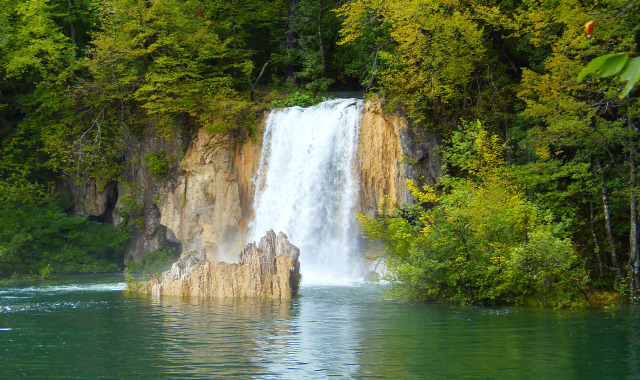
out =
column 539, row 201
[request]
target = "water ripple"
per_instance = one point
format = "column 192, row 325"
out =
column 109, row 287
column 343, row 332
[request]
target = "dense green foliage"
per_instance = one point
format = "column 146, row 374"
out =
column 154, row 263
column 39, row 238
column 158, row 164
column 81, row 79
column 299, row 99
column 479, row 241
column 571, row 141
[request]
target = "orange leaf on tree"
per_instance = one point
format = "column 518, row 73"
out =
column 588, row 28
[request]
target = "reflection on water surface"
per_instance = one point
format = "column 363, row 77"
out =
column 86, row 327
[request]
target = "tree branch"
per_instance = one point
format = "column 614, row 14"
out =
column 255, row 84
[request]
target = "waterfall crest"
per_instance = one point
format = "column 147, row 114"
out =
column 306, row 187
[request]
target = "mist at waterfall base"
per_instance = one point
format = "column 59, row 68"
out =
column 306, row 187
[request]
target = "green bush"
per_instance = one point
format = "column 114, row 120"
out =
column 238, row 117
column 157, row 164
column 40, row 238
column 154, row 262
column 131, row 211
column 479, row 241
column 299, row 99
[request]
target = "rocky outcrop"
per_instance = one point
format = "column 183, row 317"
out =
column 133, row 200
column 270, row 269
column 93, row 199
column 391, row 151
column 204, row 201
column 210, row 204
column 141, row 191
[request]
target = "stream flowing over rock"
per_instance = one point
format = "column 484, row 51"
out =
column 206, row 203
column 269, row 269
column 306, row 186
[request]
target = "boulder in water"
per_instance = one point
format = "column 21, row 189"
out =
column 269, row 269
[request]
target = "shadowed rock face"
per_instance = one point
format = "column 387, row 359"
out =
column 269, row 269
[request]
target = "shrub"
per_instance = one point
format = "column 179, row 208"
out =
column 479, row 241
column 157, row 164
column 43, row 240
column 154, row 262
column 299, row 99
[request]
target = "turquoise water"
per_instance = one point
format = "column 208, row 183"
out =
column 86, row 327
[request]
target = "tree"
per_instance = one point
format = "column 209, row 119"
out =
column 437, row 59
column 37, row 65
column 479, row 241
column 586, row 122
column 308, row 52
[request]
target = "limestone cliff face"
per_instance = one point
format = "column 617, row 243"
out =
column 140, row 192
column 391, row 151
column 270, row 269
column 209, row 206
column 93, row 198
column 204, row 202
column 133, row 199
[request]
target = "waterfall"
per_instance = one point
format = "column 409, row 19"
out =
column 306, row 187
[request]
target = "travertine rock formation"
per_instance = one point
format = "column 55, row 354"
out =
column 270, row 269
column 210, row 204
column 204, row 203
column 390, row 151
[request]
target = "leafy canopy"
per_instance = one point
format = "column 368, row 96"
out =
column 480, row 241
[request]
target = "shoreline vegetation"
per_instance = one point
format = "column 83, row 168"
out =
column 538, row 203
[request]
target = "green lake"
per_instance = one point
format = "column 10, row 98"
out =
column 87, row 327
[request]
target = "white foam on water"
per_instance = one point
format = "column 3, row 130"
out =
column 108, row 287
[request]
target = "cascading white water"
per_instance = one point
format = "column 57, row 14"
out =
column 306, row 187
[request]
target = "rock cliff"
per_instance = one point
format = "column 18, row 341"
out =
column 270, row 269
column 133, row 200
column 392, row 150
column 209, row 206
column 203, row 202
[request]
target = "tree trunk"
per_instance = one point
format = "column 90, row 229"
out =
column 633, row 267
column 498, row 40
column 320, row 45
column 255, row 84
column 72, row 26
column 292, row 35
column 596, row 242
column 232, row 17
column 607, row 224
